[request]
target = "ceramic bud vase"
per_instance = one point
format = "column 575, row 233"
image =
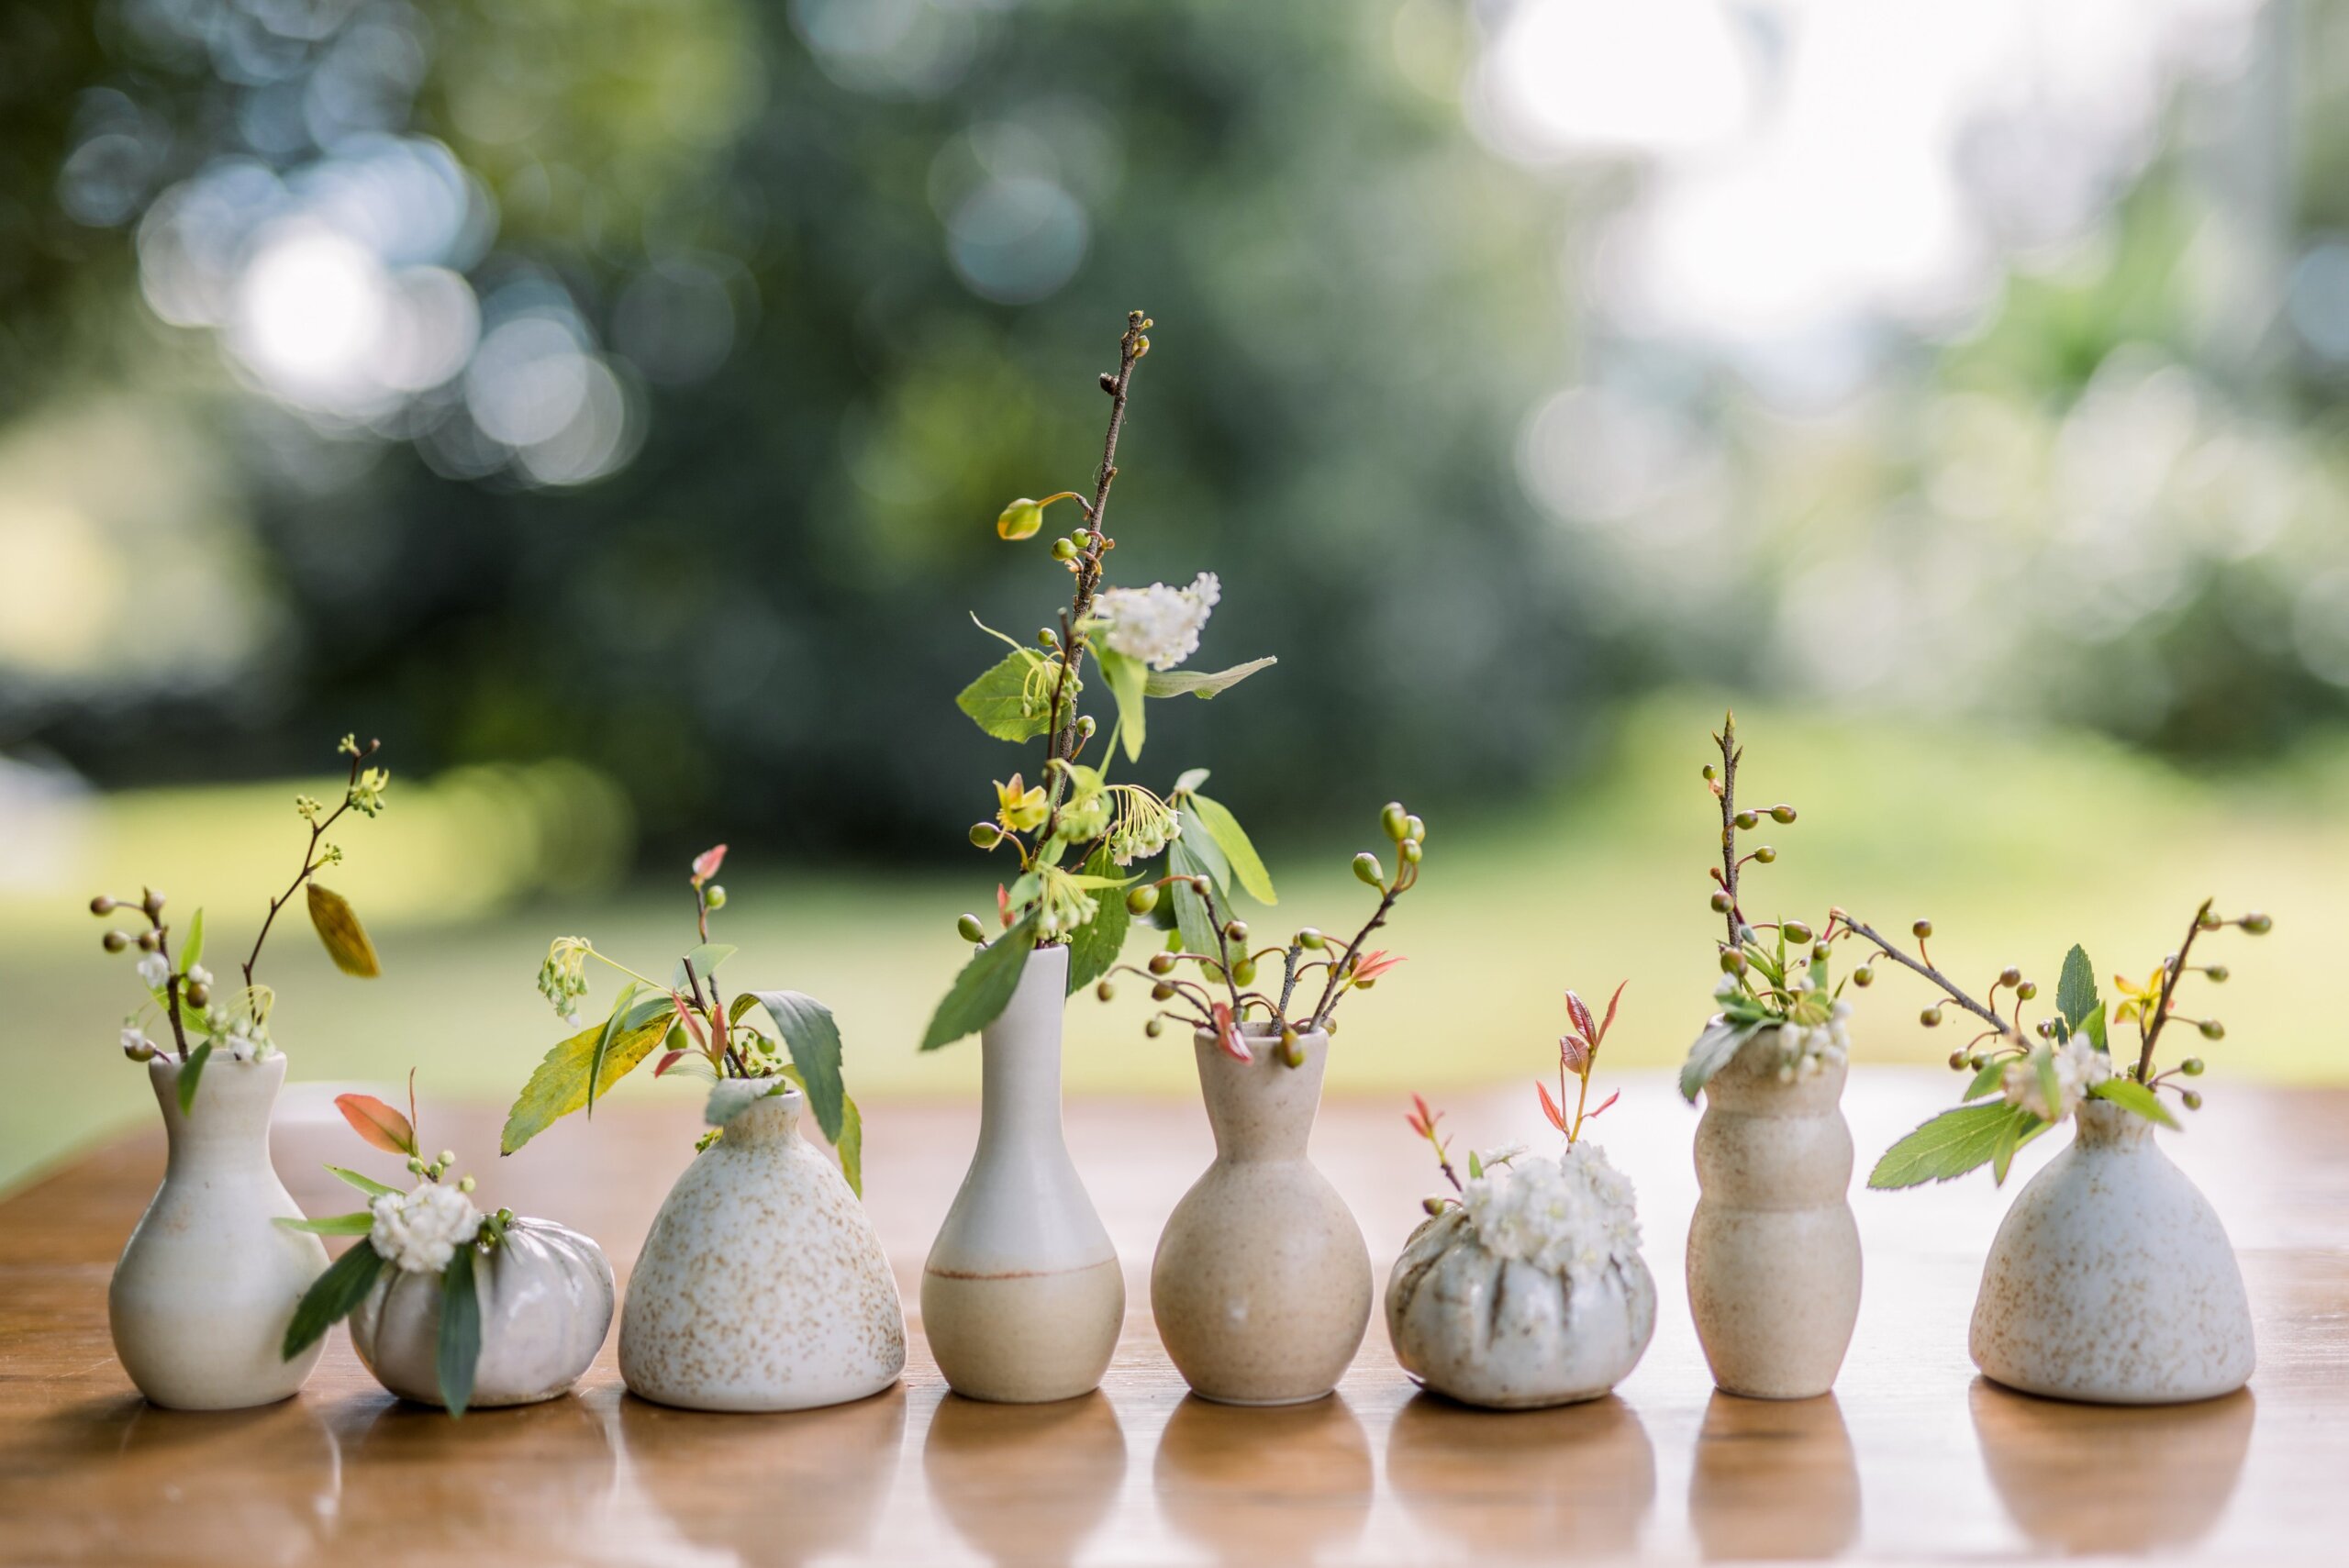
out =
column 1262, row 1284
column 546, row 1300
column 1022, row 1297
column 2111, row 1280
column 207, row 1285
column 1774, row 1253
column 761, row 1284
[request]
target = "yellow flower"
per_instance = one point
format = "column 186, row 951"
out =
column 2143, row 999
column 1020, row 810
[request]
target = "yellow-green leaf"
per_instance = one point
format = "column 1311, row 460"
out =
column 1246, row 864
column 345, row 938
column 559, row 1086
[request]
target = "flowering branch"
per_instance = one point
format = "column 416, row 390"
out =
column 310, row 862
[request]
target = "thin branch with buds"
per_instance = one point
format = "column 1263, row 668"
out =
column 1918, row 965
column 310, row 862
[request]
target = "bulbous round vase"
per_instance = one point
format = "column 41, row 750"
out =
column 1022, row 1296
column 546, row 1304
column 1262, row 1284
column 762, row 1285
column 1499, row 1332
column 2111, row 1280
column 207, row 1285
column 1774, row 1253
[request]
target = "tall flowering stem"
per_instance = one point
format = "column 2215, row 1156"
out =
column 310, row 862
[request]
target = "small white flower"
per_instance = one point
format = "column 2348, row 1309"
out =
column 1505, row 1154
column 1158, row 625
column 137, row 1046
column 2079, row 1067
column 1574, row 1217
column 421, row 1230
column 154, row 969
column 239, row 1047
column 198, row 975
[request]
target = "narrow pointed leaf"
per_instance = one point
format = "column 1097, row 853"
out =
column 1097, row 944
column 2131, row 1095
column 378, row 1123
column 1128, row 679
column 342, row 1287
column 192, row 1075
column 983, row 989
column 1550, row 1106
column 814, row 1039
column 1993, row 1075
column 1199, row 934
column 358, row 1224
column 2092, row 1026
column 704, row 960
column 1201, row 683
column 193, row 950
column 345, row 938
column 459, row 1348
column 367, row 1185
column 1246, row 864
column 611, row 1031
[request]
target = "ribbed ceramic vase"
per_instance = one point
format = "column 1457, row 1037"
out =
column 1262, row 1284
column 207, row 1285
column 546, row 1301
column 762, row 1285
column 1022, row 1297
column 2111, row 1280
column 1774, row 1253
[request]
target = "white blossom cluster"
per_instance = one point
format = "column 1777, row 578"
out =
column 1575, row 1216
column 1806, row 1053
column 1158, row 625
column 421, row 1230
column 2079, row 1067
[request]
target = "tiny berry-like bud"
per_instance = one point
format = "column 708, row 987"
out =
column 1292, row 1049
column 1155, row 1028
column 101, row 905
column 2213, row 1030
column 2207, row 921
column 1433, row 1205
column 465, row 1185
column 1720, row 903
column 1162, row 964
column 1410, row 852
column 985, row 835
column 1930, row 1017
column 2027, row 990
column 1766, row 855
column 113, row 941
column 1711, row 772
column 1243, row 971
column 1795, row 930
column 2191, row 1067
column 1235, row 930
column 2218, row 974
column 2193, row 1099
column 1142, row 900
column 1084, row 537
column 447, row 1158
column 415, row 1165
column 1978, row 1061
column 714, row 896
column 153, row 902
column 1162, row 992
column 198, row 993
column 1417, row 828
column 1748, row 819
column 1863, row 976
column 971, row 928
column 1782, row 814
column 2011, row 976
column 1086, row 727
column 1959, row 1060
column 2257, row 925
column 1020, row 521
column 1394, row 819
column 1732, row 962
column 1922, row 929
column 1819, row 953
column 1367, row 869
column 1047, row 637
column 149, row 942
column 1064, row 549
column 1311, row 940
column 1105, row 991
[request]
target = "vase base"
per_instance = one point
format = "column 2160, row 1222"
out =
column 2115, row 1397
column 1025, row 1338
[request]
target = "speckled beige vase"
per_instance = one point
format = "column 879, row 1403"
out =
column 1496, row 1331
column 199, row 1302
column 1773, row 1253
column 2111, row 1280
column 762, row 1285
column 1022, row 1296
column 1262, row 1284
column 546, row 1304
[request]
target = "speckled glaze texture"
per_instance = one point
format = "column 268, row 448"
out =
column 1496, row 1331
column 1262, row 1284
column 762, row 1285
column 1022, row 1296
column 1773, row 1253
column 546, row 1304
column 200, row 1300
column 2111, row 1280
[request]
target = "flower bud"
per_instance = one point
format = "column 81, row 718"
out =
column 153, row 902
column 1748, row 819
column 1083, row 538
column 1142, row 900
column 1311, row 940
column 1104, row 992
column 714, row 896
column 1086, row 727
column 1710, row 772
column 1957, row 1061
column 465, row 1185
column 2207, row 921
column 447, row 1158
column 2213, row 1030
column 2218, row 974
column 1162, row 964
column 1795, row 930
column 971, row 929
column 1235, row 930
column 2027, row 990
column 1394, row 819
column 1931, row 1018
column 2191, row 1067
column 2011, row 976
column 1434, row 1205
column 1414, row 827
column 1064, row 549
column 1243, row 971
column 1020, row 521
column 1720, row 901
column 149, row 942
column 1766, row 855
column 1410, row 852
column 198, row 993
column 1047, row 637
column 1367, row 869
column 1922, row 929
column 2257, row 925
column 1732, row 962
column 415, row 1165
column 1162, row 992
column 101, row 905
column 2193, row 1099
column 1863, row 976
column 115, row 941
column 1292, row 1049
column 1782, row 812
column 1154, row 1028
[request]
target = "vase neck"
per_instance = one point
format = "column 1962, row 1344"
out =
column 1020, row 1056
column 1261, row 1110
column 770, row 1118
column 2100, row 1124
column 227, row 1126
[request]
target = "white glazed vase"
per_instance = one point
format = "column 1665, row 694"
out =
column 1262, row 1284
column 2111, row 1280
column 761, row 1284
column 546, row 1297
column 1499, row 1332
column 1022, row 1296
column 1774, row 1253
column 200, row 1301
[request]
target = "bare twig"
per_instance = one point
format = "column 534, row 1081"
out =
column 1949, row 987
column 1731, row 754
column 2150, row 1031
column 309, row 860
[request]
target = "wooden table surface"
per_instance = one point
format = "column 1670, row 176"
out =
column 1912, row 1457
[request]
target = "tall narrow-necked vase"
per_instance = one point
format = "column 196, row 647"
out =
column 761, row 1284
column 1774, row 1253
column 207, row 1285
column 1022, row 1297
column 1262, row 1284
column 2111, row 1280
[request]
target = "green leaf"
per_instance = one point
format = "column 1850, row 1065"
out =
column 1190, row 779
column 1128, row 679
column 2075, row 990
column 1199, row 933
column 743, row 1003
column 2131, row 1095
column 850, row 1145
column 611, row 1031
column 809, row 1028
column 704, row 960
column 1714, row 1049
column 2092, row 1026
column 983, row 989
column 191, row 1075
column 1212, row 861
column 1476, row 1166
column 1097, row 943
column 2002, row 1152
column 328, row 1301
column 358, row 1224
column 1225, row 829
column 1013, row 701
column 460, row 1330
column 367, row 1185
column 1201, row 683
column 194, row 948
column 1948, row 1146
column 559, row 1085
column 2051, row 1092
column 1993, row 1075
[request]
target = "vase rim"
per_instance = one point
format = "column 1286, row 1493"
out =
column 1262, row 1029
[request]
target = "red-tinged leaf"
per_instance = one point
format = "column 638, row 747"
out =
column 412, row 1118
column 1574, row 1053
column 1584, row 1024
column 1422, row 1120
column 1604, row 1103
column 1550, row 1106
column 694, row 1023
column 1369, row 966
column 378, row 1123
column 1003, row 904
column 706, row 864
column 1609, row 1021
column 1227, row 1034
column 666, row 1063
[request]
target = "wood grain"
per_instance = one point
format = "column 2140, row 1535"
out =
column 1912, row 1457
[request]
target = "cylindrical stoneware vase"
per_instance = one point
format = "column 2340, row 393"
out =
column 2111, row 1280
column 1262, row 1284
column 1022, row 1297
column 1773, row 1253
column 207, row 1285
column 546, row 1304
column 762, row 1285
